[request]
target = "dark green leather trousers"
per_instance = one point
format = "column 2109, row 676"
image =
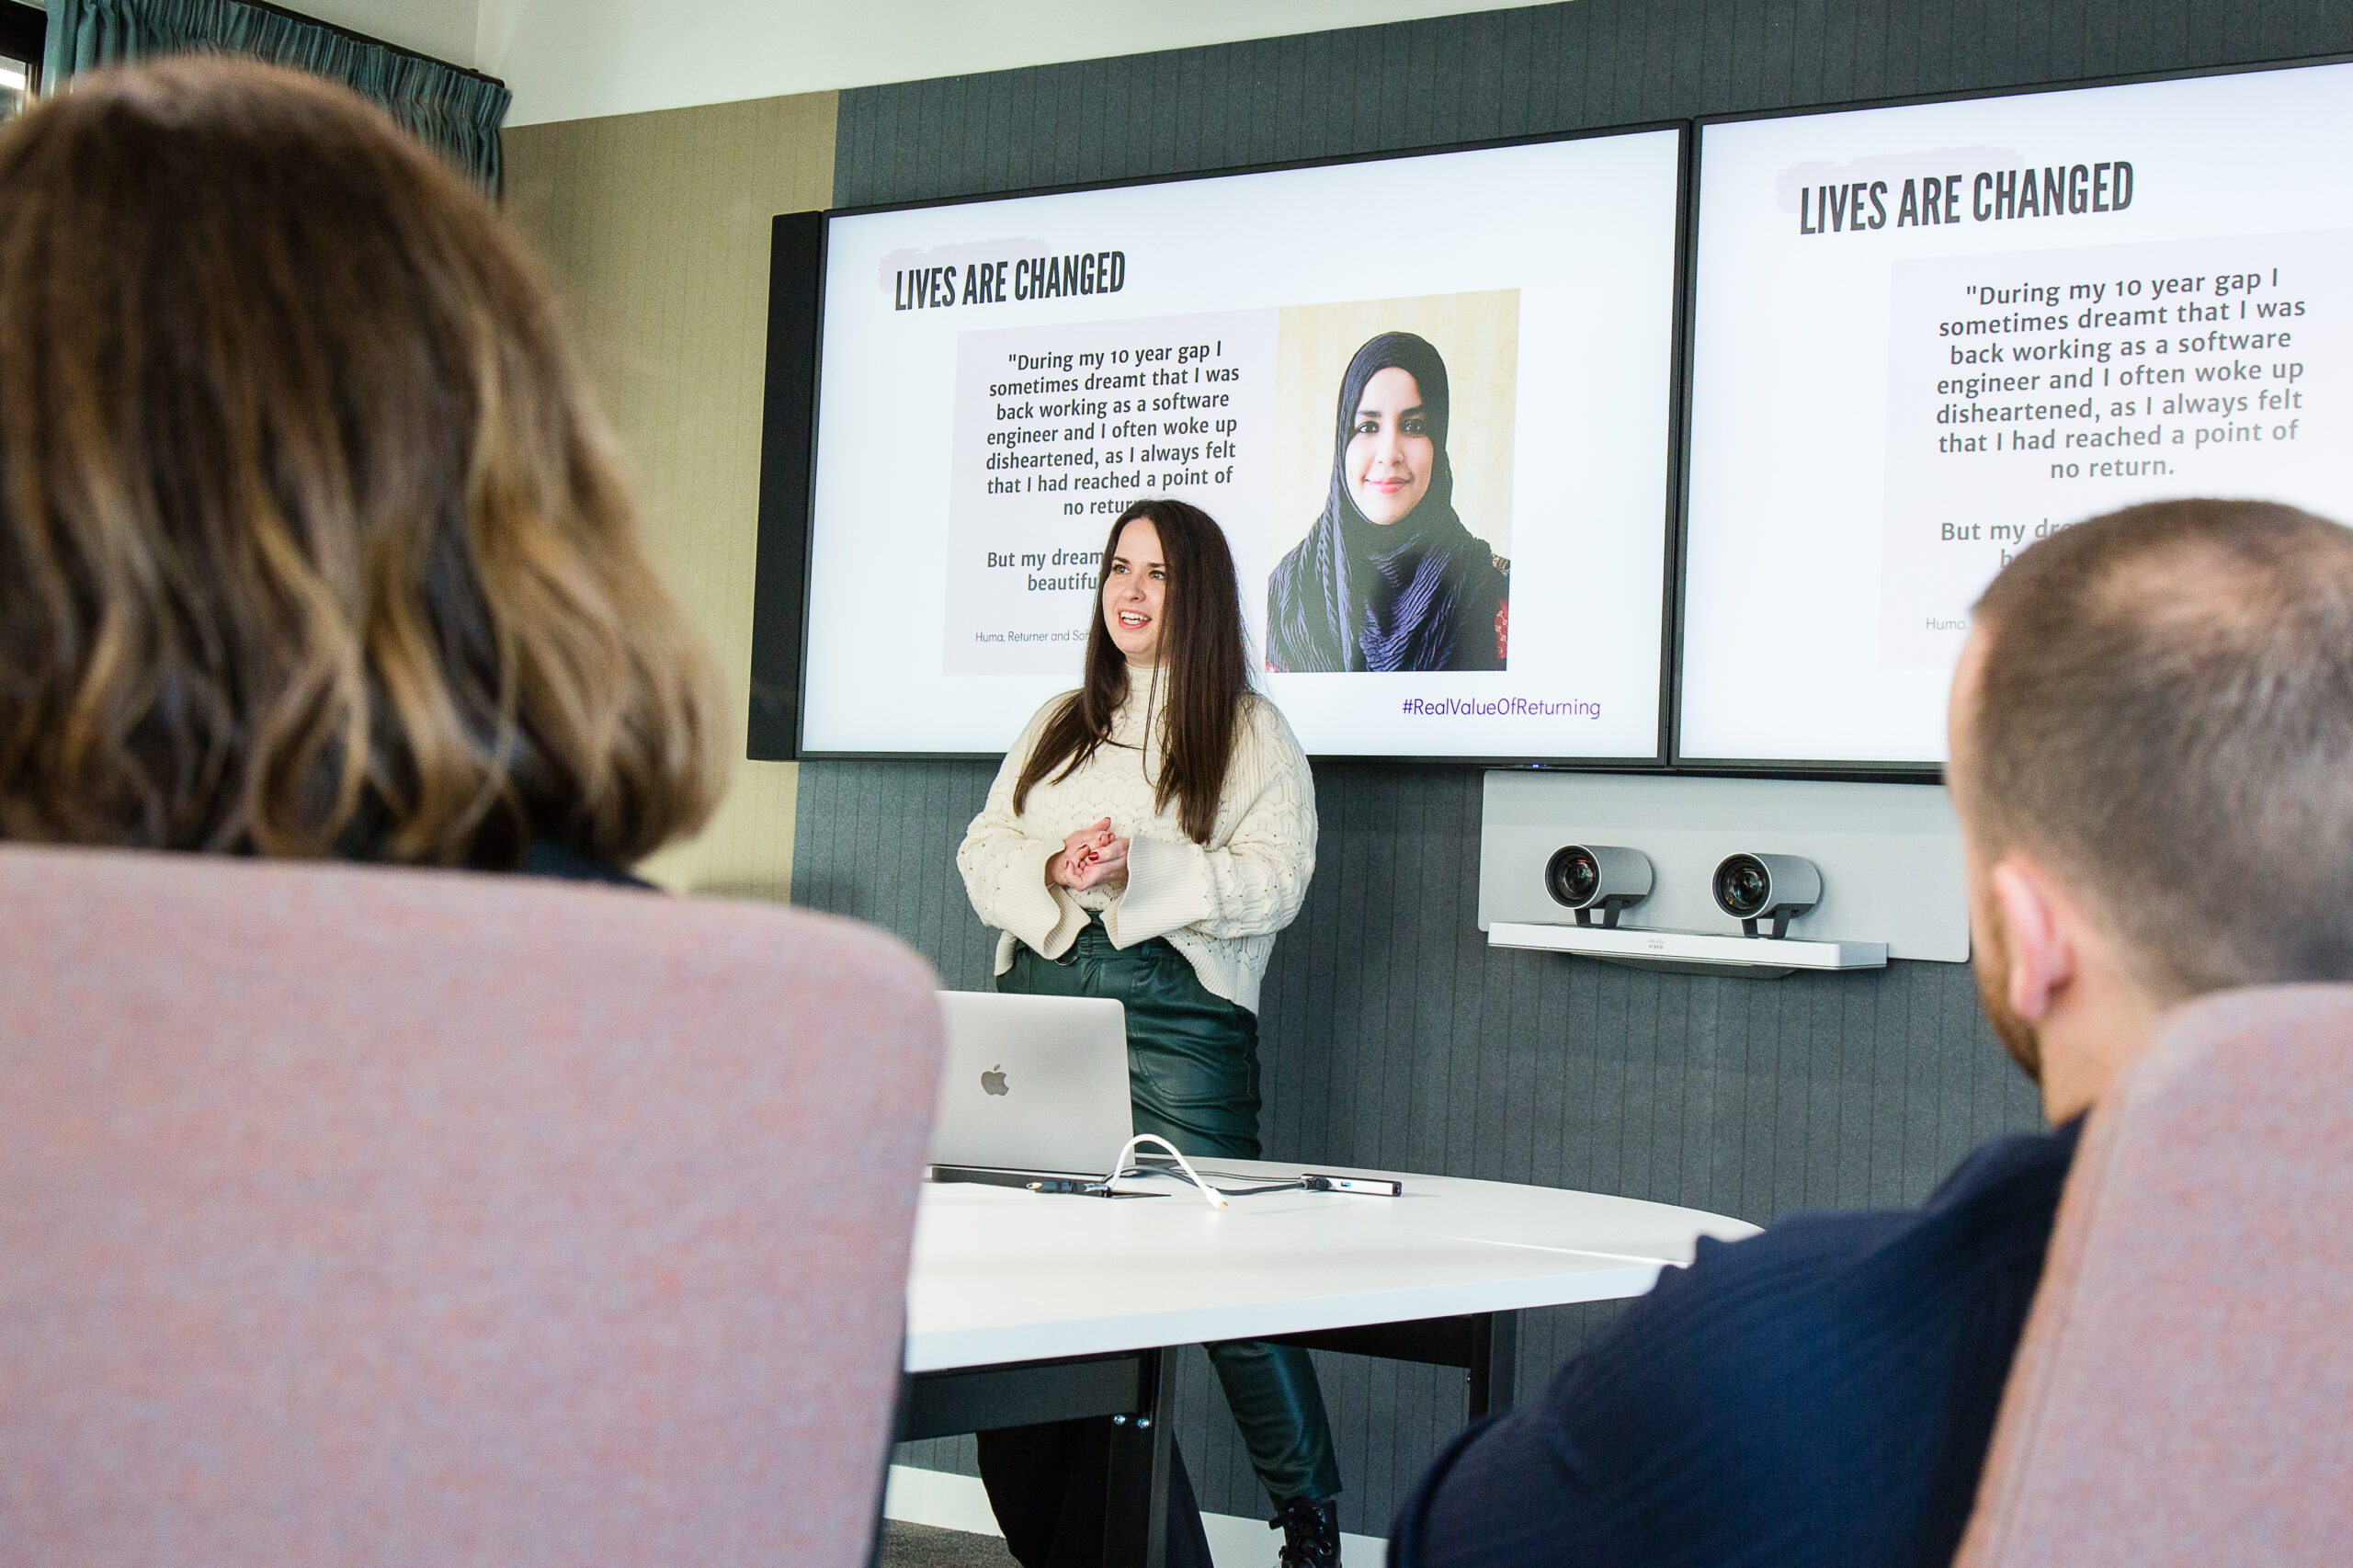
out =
column 1193, row 1074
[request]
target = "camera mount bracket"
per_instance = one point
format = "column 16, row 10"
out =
column 1610, row 909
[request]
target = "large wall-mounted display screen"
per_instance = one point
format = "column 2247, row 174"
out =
column 1926, row 336
column 1478, row 571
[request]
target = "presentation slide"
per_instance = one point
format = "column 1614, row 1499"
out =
column 1926, row 337
column 1427, row 399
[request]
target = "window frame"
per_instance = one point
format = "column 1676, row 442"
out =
column 24, row 35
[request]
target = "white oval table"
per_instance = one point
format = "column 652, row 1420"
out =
column 1024, row 1307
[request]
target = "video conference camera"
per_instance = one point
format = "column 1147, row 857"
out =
column 1598, row 876
column 1779, row 888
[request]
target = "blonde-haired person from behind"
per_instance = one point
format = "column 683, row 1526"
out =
column 310, row 542
column 1147, row 837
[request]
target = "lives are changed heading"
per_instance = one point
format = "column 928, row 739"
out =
column 1993, row 196
column 994, row 282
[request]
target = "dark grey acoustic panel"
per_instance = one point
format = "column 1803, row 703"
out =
column 1393, row 1035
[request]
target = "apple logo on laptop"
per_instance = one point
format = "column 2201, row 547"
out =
column 992, row 1081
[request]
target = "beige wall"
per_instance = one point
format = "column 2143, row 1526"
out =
column 656, row 226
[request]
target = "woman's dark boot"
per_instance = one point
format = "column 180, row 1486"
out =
column 1311, row 1532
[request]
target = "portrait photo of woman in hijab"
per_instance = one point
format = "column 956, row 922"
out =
column 1387, row 578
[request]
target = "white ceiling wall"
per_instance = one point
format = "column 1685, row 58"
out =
column 577, row 59
column 445, row 29
column 574, row 59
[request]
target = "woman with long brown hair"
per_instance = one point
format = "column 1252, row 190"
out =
column 310, row 544
column 1147, row 837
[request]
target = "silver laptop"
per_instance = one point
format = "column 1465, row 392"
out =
column 1033, row 1083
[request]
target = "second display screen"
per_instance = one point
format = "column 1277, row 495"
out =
column 1926, row 336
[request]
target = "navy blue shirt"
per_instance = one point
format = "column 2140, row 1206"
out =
column 551, row 857
column 1821, row 1393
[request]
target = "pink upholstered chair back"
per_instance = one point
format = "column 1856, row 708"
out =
column 360, row 1216
column 2184, row 1394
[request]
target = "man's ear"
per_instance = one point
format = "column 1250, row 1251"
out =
column 2038, row 935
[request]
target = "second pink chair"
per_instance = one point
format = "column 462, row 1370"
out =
column 2184, row 1394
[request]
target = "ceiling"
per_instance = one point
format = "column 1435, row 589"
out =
column 575, row 59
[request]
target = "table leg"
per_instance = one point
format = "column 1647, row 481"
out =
column 1135, row 1502
column 1485, row 1344
column 1495, row 1362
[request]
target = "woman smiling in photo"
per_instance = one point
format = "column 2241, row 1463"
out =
column 1388, row 578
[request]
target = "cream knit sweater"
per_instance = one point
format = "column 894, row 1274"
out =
column 1219, row 903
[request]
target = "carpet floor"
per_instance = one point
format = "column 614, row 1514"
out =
column 926, row 1546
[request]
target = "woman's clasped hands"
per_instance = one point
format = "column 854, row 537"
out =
column 1091, row 855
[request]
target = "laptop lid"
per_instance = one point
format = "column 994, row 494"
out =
column 1033, row 1083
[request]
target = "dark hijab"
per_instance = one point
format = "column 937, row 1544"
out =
column 1419, row 594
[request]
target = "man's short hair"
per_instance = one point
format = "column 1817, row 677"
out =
column 2165, row 714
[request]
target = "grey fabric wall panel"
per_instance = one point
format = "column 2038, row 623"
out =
column 1392, row 1035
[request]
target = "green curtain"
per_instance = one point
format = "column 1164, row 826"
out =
column 457, row 112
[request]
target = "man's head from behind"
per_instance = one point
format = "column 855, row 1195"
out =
column 2153, row 759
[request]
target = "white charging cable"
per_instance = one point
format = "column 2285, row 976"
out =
column 1127, row 1152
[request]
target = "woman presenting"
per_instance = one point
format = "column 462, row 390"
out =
column 1146, row 837
column 1388, row 578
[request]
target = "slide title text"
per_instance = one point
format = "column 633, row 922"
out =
column 994, row 282
column 1991, row 196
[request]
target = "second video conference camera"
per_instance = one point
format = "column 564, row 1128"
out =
column 1587, row 877
column 1779, row 888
